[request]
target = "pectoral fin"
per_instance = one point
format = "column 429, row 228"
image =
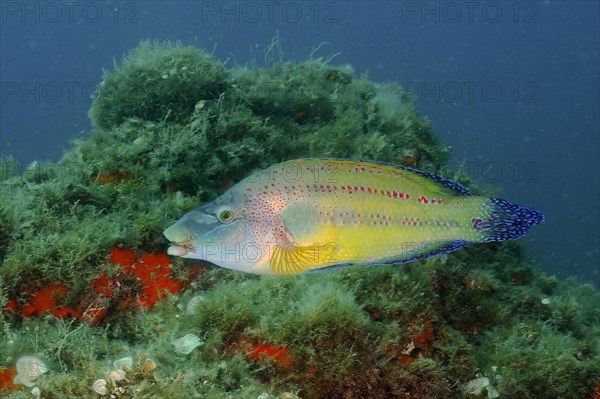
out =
column 299, row 220
column 293, row 259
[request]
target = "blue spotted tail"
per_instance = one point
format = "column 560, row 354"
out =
column 509, row 221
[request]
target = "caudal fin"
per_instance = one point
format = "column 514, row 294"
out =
column 509, row 221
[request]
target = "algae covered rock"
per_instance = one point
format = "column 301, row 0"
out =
column 201, row 130
column 156, row 82
column 84, row 278
column 327, row 111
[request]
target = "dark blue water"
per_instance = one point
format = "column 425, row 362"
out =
column 512, row 87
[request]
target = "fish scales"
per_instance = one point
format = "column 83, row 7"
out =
column 314, row 214
column 348, row 205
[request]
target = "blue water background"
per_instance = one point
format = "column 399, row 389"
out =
column 512, row 87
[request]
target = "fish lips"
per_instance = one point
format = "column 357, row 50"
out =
column 187, row 232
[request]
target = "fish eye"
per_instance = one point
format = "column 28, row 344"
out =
column 225, row 216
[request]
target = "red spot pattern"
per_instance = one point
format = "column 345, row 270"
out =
column 424, row 200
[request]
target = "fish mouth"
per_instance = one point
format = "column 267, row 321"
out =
column 181, row 248
column 181, row 242
column 178, row 249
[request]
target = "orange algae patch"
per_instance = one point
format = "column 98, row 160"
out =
column 95, row 312
column 405, row 360
column 278, row 355
column 400, row 354
column 111, row 178
column 101, row 285
column 597, row 392
column 98, row 305
column 12, row 305
column 426, row 336
column 48, row 300
column 48, row 297
column 6, row 380
column 153, row 270
column 122, row 257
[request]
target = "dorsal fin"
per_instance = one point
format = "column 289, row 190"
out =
column 456, row 188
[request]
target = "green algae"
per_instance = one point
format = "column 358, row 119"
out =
column 157, row 82
column 175, row 128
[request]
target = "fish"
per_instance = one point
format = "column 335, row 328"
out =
column 316, row 214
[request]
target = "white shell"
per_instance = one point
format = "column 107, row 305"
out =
column 193, row 303
column 121, row 364
column 476, row 386
column 29, row 368
column 186, row 344
column 100, row 387
column 36, row 392
column 492, row 392
column 116, row 376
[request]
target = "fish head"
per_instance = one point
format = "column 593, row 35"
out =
column 216, row 232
